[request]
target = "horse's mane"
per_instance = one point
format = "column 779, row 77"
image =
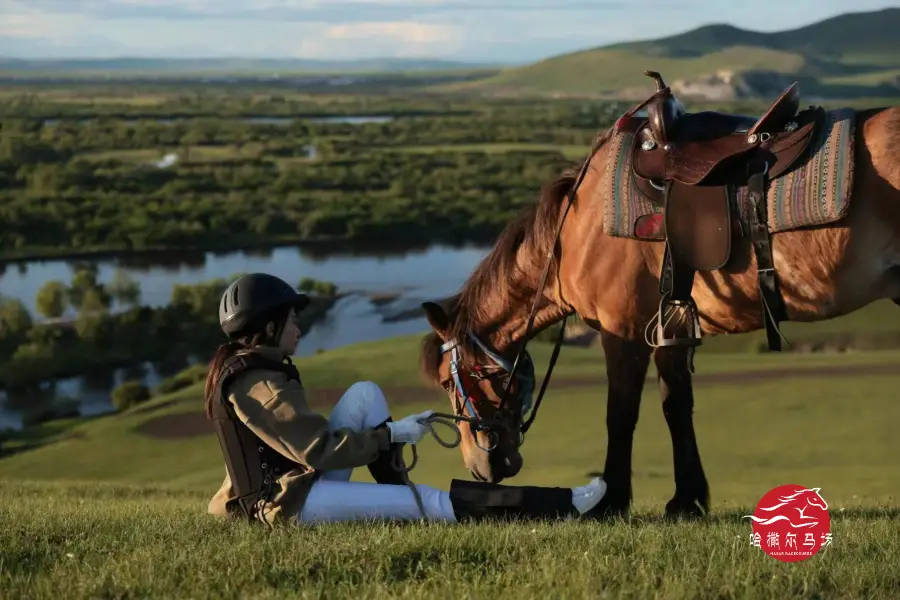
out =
column 527, row 237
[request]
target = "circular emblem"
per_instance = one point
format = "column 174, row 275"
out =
column 791, row 523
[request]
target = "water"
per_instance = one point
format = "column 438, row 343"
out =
column 404, row 279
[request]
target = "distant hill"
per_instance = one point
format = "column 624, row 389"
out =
column 118, row 67
column 845, row 56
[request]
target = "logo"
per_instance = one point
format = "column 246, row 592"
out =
column 791, row 523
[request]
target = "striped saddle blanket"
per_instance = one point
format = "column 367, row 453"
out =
column 814, row 191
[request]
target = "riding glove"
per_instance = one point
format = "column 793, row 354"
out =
column 409, row 430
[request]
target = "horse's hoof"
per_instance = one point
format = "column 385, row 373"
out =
column 678, row 509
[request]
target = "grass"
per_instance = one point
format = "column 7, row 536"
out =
column 212, row 154
column 103, row 510
column 569, row 151
column 604, row 70
column 195, row 154
column 123, row 542
column 873, row 78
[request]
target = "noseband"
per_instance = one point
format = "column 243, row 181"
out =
column 464, row 401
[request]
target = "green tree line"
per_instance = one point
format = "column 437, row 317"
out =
column 368, row 181
column 99, row 339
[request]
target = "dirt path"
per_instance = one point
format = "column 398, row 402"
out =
column 192, row 424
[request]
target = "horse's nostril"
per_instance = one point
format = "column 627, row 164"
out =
column 513, row 465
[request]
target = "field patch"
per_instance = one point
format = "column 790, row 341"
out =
column 85, row 540
column 109, row 508
column 571, row 151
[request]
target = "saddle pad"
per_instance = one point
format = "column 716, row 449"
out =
column 816, row 192
column 623, row 202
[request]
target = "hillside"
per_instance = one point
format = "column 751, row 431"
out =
column 115, row 506
column 851, row 55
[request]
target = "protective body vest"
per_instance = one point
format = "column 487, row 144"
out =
column 252, row 465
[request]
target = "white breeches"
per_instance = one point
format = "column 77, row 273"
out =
column 335, row 498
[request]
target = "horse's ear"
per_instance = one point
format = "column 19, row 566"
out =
column 437, row 318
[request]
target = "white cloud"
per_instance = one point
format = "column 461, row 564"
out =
column 395, row 39
column 509, row 30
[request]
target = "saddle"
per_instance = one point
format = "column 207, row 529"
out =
column 692, row 165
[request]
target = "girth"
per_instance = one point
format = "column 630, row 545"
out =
column 252, row 465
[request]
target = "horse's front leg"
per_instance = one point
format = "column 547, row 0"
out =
column 626, row 367
column 691, row 488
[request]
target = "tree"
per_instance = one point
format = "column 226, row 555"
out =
column 15, row 320
column 129, row 394
column 84, row 281
column 91, row 323
column 51, row 299
column 124, row 289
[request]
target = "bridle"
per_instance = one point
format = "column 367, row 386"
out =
column 477, row 373
column 510, row 371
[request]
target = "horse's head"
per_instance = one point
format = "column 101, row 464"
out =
column 814, row 498
column 475, row 379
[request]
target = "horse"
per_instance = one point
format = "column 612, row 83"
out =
column 613, row 283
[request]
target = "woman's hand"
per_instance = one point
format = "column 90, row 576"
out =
column 409, row 430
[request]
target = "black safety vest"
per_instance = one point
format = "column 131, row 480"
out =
column 253, row 466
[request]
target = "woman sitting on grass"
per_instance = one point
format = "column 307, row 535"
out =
column 286, row 463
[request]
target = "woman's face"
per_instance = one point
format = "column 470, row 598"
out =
column 290, row 334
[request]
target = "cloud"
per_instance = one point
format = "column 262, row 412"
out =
column 301, row 10
column 494, row 30
column 382, row 38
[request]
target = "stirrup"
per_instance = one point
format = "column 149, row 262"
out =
column 689, row 308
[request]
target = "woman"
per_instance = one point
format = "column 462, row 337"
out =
column 286, row 463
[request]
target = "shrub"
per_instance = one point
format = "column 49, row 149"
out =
column 129, row 394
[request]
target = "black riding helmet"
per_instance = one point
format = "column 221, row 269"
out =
column 253, row 298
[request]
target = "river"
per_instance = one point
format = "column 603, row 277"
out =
column 384, row 287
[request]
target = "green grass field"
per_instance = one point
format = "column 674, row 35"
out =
column 607, row 70
column 103, row 509
column 571, row 152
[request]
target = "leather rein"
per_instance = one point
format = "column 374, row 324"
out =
column 464, row 401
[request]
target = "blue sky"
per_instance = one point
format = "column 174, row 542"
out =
column 515, row 31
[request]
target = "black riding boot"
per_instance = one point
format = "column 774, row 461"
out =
column 478, row 501
column 383, row 470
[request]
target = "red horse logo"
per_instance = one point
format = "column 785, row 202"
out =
column 798, row 501
column 791, row 523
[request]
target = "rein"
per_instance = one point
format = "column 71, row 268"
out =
column 512, row 370
column 477, row 423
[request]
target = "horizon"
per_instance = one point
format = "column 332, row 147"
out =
column 363, row 30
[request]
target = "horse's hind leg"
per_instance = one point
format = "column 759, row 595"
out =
column 691, row 488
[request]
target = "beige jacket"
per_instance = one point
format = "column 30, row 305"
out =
column 276, row 410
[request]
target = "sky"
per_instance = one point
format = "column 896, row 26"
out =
column 501, row 31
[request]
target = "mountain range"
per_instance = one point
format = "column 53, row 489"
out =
column 850, row 55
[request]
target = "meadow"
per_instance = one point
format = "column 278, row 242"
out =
column 114, row 506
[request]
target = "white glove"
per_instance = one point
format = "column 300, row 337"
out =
column 409, row 430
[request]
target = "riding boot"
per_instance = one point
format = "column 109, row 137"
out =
column 382, row 468
column 480, row 501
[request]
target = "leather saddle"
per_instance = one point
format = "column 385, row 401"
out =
column 691, row 165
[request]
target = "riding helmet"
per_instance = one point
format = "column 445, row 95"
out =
column 250, row 299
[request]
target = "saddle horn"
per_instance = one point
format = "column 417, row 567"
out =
column 660, row 84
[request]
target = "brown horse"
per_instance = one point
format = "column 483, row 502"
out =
column 613, row 284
